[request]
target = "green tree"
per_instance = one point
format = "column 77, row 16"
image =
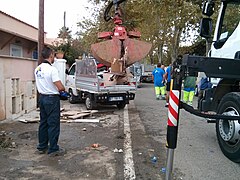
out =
column 72, row 48
column 65, row 33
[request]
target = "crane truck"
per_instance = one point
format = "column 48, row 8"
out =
column 223, row 62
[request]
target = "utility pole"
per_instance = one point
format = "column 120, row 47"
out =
column 64, row 33
column 40, row 31
column 64, row 19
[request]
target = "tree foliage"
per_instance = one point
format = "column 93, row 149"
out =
column 72, row 48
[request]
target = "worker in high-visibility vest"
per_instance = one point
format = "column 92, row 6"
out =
column 158, row 80
column 188, row 90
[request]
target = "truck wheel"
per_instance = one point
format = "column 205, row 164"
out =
column 121, row 105
column 228, row 132
column 72, row 99
column 90, row 104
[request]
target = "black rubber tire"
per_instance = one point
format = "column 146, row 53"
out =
column 121, row 105
column 90, row 104
column 72, row 99
column 230, row 102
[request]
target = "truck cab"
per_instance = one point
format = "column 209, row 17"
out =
column 227, row 32
column 222, row 63
column 70, row 84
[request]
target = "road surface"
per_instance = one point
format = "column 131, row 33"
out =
column 197, row 155
column 127, row 139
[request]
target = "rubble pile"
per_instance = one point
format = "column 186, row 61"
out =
column 5, row 140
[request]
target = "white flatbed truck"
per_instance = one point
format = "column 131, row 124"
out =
column 86, row 84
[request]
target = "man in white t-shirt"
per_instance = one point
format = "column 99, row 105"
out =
column 49, row 86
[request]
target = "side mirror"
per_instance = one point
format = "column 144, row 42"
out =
column 208, row 8
column 206, row 27
column 66, row 72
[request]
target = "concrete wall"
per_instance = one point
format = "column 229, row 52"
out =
column 17, row 86
column 2, row 94
column 7, row 39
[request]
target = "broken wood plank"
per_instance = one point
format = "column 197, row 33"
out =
column 79, row 116
column 70, row 113
column 29, row 120
column 86, row 111
column 84, row 121
column 73, row 113
column 93, row 111
column 63, row 121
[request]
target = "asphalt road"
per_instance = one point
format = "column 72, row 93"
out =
column 197, row 155
column 139, row 131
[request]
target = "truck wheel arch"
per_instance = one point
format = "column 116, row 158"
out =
column 228, row 131
column 223, row 87
column 72, row 99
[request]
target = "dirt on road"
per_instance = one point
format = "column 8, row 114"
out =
column 95, row 150
column 90, row 148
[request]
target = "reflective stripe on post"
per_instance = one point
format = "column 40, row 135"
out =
column 173, row 108
column 173, row 116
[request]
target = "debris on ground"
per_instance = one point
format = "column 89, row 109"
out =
column 81, row 115
column 118, row 150
column 163, row 170
column 154, row 159
column 96, row 145
column 69, row 117
column 29, row 120
column 83, row 121
column 77, row 114
column 6, row 141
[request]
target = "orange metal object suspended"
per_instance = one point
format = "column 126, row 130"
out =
column 119, row 48
column 108, row 50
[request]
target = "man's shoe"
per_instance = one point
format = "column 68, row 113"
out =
column 59, row 152
column 42, row 151
column 166, row 105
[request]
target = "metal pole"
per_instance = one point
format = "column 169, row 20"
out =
column 40, row 31
column 170, row 156
column 173, row 118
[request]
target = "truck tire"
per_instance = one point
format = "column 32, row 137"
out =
column 121, row 105
column 89, row 102
column 72, row 99
column 228, row 132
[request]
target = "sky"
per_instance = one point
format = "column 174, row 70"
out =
column 27, row 11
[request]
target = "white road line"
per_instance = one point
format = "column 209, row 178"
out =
column 129, row 171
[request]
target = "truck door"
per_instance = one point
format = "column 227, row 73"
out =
column 226, row 41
